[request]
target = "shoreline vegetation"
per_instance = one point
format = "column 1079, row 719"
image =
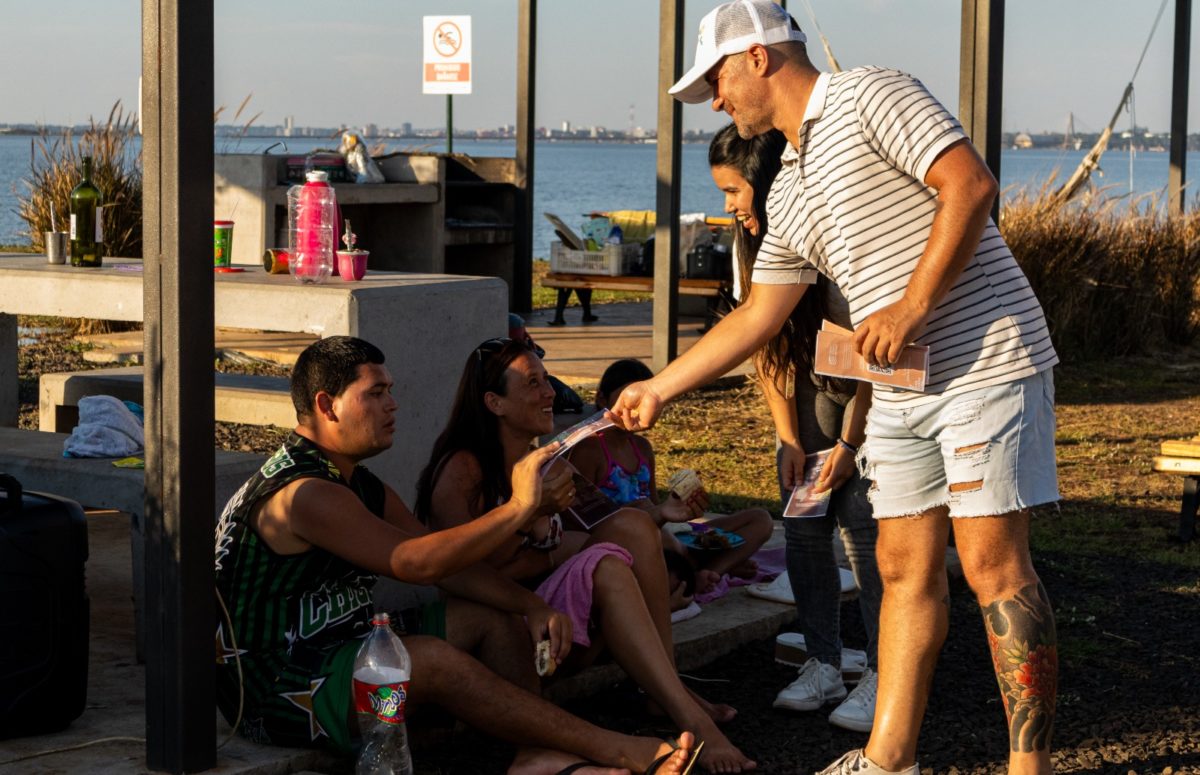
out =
column 1115, row 277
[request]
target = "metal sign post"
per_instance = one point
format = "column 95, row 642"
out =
column 447, row 63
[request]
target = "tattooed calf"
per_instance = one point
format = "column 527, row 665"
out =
column 1024, row 647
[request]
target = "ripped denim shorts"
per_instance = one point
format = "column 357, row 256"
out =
column 981, row 453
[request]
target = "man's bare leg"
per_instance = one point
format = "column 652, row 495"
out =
column 542, row 762
column 1020, row 630
column 445, row 676
column 913, row 620
column 497, row 639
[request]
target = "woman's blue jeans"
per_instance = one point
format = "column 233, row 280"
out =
column 812, row 567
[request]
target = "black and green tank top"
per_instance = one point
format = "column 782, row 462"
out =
column 278, row 601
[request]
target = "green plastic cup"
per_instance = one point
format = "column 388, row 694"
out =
column 222, row 243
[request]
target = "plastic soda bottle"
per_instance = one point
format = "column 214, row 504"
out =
column 382, row 671
column 312, row 226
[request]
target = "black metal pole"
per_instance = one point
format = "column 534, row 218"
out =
column 521, row 294
column 666, row 231
column 177, row 153
column 981, row 80
column 449, row 123
column 1177, row 175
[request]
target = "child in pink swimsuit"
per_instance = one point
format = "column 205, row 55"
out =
column 622, row 466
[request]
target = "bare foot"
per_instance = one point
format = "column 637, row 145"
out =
column 718, row 712
column 746, row 569
column 541, row 761
column 720, row 755
column 706, row 580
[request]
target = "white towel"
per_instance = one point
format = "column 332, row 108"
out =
column 106, row 429
column 683, row 614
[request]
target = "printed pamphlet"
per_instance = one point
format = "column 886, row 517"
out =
column 835, row 357
column 803, row 502
column 577, row 433
column 590, row 506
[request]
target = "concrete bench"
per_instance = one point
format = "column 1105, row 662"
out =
column 1182, row 458
column 240, row 398
column 35, row 459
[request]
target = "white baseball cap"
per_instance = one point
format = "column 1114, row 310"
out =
column 731, row 28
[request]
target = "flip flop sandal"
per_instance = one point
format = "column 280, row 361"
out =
column 687, row 768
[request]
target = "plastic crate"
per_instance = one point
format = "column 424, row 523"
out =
column 611, row 260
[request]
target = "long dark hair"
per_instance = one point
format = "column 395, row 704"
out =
column 758, row 161
column 472, row 426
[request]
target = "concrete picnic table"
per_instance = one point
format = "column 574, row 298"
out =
column 426, row 325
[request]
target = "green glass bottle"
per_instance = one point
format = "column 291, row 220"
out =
column 87, row 232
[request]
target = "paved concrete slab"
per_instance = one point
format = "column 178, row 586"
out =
column 116, row 688
column 125, row 347
column 578, row 354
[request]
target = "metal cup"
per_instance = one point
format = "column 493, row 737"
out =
column 56, row 247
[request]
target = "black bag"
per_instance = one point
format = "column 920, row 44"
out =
column 44, row 611
column 566, row 400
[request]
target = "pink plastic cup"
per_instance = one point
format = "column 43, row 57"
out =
column 352, row 264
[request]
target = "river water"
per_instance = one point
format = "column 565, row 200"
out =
column 574, row 178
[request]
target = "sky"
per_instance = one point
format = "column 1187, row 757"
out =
column 359, row 61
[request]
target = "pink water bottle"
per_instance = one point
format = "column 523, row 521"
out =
column 312, row 226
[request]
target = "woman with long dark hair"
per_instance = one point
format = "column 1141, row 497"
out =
column 611, row 582
column 811, row 413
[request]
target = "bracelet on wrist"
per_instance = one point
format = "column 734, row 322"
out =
column 853, row 450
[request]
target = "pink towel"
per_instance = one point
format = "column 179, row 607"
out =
column 770, row 564
column 569, row 589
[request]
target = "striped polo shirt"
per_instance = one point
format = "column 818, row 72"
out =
column 851, row 202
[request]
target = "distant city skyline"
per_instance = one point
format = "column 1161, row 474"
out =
column 597, row 66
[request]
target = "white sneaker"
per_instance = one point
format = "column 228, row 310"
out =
column 856, row 763
column 857, row 711
column 818, row 684
column 790, row 649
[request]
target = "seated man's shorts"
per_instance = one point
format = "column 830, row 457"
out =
column 981, row 453
column 304, row 695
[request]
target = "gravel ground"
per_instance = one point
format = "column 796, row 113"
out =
column 1129, row 698
column 1129, row 688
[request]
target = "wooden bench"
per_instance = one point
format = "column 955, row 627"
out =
column 715, row 291
column 687, row 287
column 36, row 460
column 240, row 398
column 1182, row 458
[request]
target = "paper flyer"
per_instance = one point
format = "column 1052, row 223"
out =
column 590, row 506
column 803, row 503
column 577, row 433
column 835, row 357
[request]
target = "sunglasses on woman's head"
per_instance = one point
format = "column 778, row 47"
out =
column 490, row 347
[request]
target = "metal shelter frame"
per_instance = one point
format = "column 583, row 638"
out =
column 177, row 72
column 177, row 152
column 981, row 86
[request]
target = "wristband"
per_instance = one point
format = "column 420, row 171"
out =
column 853, row 450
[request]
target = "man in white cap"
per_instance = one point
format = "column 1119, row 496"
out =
column 881, row 191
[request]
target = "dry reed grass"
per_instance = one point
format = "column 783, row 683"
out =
column 55, row 167
column 1115, row 277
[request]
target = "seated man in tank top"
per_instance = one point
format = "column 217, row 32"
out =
column 299, row 547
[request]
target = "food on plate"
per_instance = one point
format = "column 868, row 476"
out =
column 684, row 484
column 543, row 660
